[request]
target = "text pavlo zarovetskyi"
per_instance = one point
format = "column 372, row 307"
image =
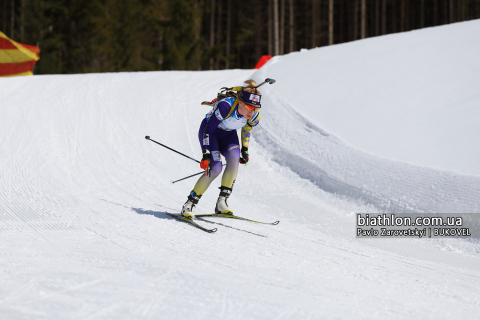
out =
column 408, row 226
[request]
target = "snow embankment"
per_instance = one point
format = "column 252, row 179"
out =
column 411, row 97
column 391, row 121
column 335, row 167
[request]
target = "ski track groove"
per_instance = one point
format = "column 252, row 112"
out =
column 102, row 311
column 224, row 304
column 16, row 295
column 69, row 289
column 66, row 121
column 107, row 238
column 145, row 310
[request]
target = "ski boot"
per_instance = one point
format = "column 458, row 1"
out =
column 188, row 210
column 222, row 205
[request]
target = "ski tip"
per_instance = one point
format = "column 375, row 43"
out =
column 212, row 230
column 275, row 223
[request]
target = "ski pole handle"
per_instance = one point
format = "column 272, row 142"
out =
column 148, row 138
column 268, row 80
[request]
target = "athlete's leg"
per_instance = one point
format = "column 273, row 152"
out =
column 204, row 181
column 230, row 149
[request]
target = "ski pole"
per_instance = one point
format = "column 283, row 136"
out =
column 148, row 138
column 193, row 175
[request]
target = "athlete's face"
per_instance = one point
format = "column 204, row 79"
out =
column 247, row 114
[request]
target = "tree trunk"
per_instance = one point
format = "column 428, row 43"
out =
column 445, row 12
column 292, row 28
column 377, row 17
column 342, row 21
column 435, row 12
column 229, row 27
column 197, row 34
column 270, row 28
column 12, row 20
column 282, row 26
column 461, row 10
column 212, row 31
column 355, row 20
column 402, row 16
column 258, row 32
column 478, row 10
column 394, row 18
column 219, row 32
column 407, row 15
column 314, row 23
column 4, row 16
column 384, row 16
column 330, row 22
column 22, row 22
column 452, row 12
column 364, row 19
column 422, row 14
column 275, row 27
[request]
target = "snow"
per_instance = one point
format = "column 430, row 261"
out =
column 83, row 195
column 411, row 97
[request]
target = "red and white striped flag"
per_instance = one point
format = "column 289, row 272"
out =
column 16, row 59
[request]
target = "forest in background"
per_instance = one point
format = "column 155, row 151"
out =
column 80, row 36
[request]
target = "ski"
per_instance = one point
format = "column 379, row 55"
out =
column 190, row 222
column 231, row 216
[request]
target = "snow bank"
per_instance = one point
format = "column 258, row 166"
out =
column 411, row 97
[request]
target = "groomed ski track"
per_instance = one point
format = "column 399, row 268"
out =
column 84, row 234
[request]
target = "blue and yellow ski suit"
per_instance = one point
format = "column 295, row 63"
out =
column 218, row 134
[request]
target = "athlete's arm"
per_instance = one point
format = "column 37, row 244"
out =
column 247, row 129
column 246, row 133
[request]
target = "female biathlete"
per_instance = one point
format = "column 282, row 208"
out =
column 218, row 136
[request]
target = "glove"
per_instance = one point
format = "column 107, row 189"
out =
column 244, row 155
column 206, row 163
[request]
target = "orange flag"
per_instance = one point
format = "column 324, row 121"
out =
column 16, row 59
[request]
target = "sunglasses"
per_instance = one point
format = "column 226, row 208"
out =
column 251, row 107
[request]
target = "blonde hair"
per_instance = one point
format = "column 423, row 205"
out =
column 251, row 84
